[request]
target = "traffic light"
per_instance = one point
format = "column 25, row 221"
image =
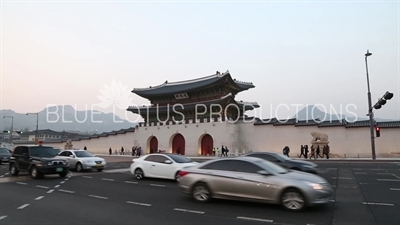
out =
column 382, row 101
column 378, row 131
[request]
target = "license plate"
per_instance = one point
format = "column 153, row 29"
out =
column 99, row 165
column 59, row 169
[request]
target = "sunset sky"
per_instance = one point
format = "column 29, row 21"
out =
column 56, row 53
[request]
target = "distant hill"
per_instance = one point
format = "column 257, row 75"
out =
column 65, row 118
column 312, row 112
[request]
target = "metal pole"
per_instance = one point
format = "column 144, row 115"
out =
column 37, row 124
column 12, row 129
column 370, row 112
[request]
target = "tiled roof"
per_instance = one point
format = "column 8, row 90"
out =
column 184, row 86
column 303, row 123
column 333, row 123
column 363, row 123
column 285, row 122
column 391, row 124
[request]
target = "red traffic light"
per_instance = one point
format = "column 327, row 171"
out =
column 378, row 131
column 377, row 128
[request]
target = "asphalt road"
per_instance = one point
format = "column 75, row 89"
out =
column 366, row 193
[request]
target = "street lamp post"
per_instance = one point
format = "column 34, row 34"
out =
column 370, row 112
column 37, row 124
column 12, row 127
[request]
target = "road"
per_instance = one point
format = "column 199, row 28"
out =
column 366, row 193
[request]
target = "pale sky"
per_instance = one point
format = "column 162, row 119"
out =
column 294, row 52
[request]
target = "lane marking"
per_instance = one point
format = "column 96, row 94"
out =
column 396, row 176
column 343, row 178
column 363, row 183
column 95, row 196
column 374, row 203
column 2, row 217
column 395, row 189
column 377, row 169
column 254, row 219
column 23, row 206
column 66, row 191
column 50, row 191
column 107, row 179
column 44, row 187
column 62, row 182
column 131, row 182
column 40, row 197
column 138, row 203
column 87, row 177
column 57, row 186
column 383, row 173
column 359, row 173
column 331, row 168
column 157, row 185
column 22, row 183
column 387, row 180
column 189, row 211
column 1, row 176
column 357, row 169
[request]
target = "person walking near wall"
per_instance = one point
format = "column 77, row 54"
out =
column 302, row 151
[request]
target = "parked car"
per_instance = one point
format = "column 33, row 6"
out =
column 286, row 162
column 254, row 179
column 38, row 160
column 81, row 160
column 160, row 165
column 5, row 155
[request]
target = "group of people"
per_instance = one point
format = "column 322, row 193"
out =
column 136, row 151
column 224, row 151
column 315, row 151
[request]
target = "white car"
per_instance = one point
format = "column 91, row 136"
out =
column 160, row 165
column 81, row 160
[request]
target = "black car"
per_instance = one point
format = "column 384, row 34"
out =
column 5, row 155
column 286, row 162
column 38, row 160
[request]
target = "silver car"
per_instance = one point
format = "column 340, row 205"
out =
column 81, row 160
column 254, row 179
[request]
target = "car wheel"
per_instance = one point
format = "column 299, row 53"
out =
column 63, row 174
column 99, row 170
column 139, row 175
column 177, row 176
column 293, row 200
column 201, row 192
column 35, row 174
column 13, row 170
column 79, row 167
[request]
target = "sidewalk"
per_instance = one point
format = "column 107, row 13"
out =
column 320, row 159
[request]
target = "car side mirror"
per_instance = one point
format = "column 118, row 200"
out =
column 263, row 172
column 168, row 162
column 72, row 156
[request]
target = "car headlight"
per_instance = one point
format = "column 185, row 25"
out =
column 315, row 186
column 49, row 163
column 89, row 161
column 65, row 163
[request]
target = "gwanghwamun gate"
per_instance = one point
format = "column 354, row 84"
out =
column 200, row 114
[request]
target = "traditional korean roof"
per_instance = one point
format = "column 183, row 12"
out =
column 227, row 99
column 190, row 85
column 332, row 123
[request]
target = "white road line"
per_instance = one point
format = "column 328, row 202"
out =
column 372, row 203
column 383, row 173
column 343, row 178
column 359, row 173
column 387, row 180
column 131, row 182
column 44, row 187
column 189, row 211
column 396, row 176
column 357, row 169
column 254, row 219
column 40, row 197
column 22, row 183
column 50, row 191
column 87, row 177
column 377, row 169
column 107, row 179
column 62, row 182
column 157, row 185
column 138, row 203
column 331, row 168
column 1, row 176
column 395, row 189
column 363, row 183
column 23, row 206
column 66, row 179
column 2, row 217
column 95, row 196
column 66, row 191
column 57, row 186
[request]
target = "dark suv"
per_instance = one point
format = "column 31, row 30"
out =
column 38, row 160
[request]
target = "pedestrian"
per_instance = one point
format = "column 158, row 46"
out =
column 286, row 151
column 110, row 151
column 318, row 151
column 84, row 148
column 312, row 152
column 301, row 151
column 122, row 150
column 305, row 151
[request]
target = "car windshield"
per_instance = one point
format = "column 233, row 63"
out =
column 41, row 151
column 4, row 150
column 180, row 159
column 283, row 157
column 272, row 167
column 82, row 154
